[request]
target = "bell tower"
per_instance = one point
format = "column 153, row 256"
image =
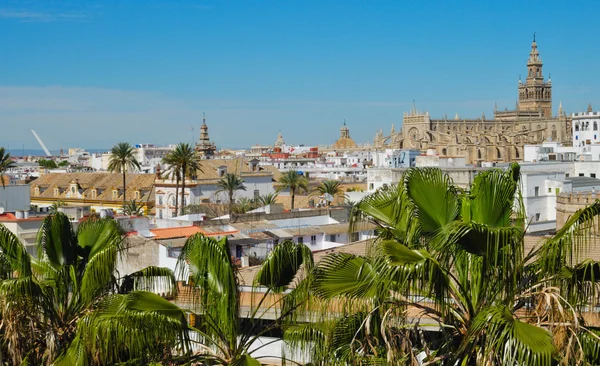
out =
column 535, row 95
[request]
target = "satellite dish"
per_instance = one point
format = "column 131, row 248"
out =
column 328, row 197
column 1, row 210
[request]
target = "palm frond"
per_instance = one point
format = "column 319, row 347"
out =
column 282, row 264
column 13, row 255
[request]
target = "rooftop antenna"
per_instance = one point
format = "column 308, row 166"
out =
column 193, row 135
column 41, row 143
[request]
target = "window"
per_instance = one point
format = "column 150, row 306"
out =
column 566, row 175
column 73, row 190
column 94, row 193
column 537, row 191
column 115, row 194
column 256, row 194
column 300, row 240
column 160, row 214
column 174, row 252
column 537, row 216
column 354, row 237
column 275, row 242
column 332, row 238
column 557, row 191
column 595, row 126
column 137, row 195
column 371, row 186
column 593, row 175
column 313, row 239
column 56, row 192
column 581, row 175
column 160, row 199
column 549, row 190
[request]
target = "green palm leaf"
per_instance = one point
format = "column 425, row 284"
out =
column 510, row 341
column 434, row 196
column 345, row 274
column 282, row 265
column 56, row 240
column 13, row 254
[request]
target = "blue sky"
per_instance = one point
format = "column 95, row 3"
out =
column 93, row 73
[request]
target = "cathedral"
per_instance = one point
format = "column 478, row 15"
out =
column 499, row 139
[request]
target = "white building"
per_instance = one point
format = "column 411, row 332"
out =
column 585, row 127
column 203, row 189
column 150, row 155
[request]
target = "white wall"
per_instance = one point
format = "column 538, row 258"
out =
column 15, row 197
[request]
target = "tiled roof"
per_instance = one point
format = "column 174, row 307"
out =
column 104, row 183
column 175, row 232
column 210, row 168
column 9, row 217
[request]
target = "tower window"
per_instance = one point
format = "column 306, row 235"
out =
column 595, row 126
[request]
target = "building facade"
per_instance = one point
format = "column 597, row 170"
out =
column 585, row 127
column 500, row 138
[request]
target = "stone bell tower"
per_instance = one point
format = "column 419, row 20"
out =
column 535, row 95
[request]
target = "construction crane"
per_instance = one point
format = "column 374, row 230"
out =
column 41, row 143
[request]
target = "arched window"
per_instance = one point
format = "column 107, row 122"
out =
column 498, row 153
column 530, row 72
column 479, row 154
column 444, row 151
column 553, row 133
column 538, row 71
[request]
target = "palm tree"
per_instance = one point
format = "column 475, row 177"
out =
column 67, row 306
column 456, row 258
column 330, row 187
column 5, row 163
column 123, row 159
column 208, row 264
column 185, row 160
column 133, row 208
column 244, row 205
column 230, row 183
column 294, row 182
column 268, row 199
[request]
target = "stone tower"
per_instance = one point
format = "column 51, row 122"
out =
column 535, row 95
column 204, row 147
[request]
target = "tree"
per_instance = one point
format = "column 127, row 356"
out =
column 208, row 264
column 68, row 307
column 47, row 163
column 330, row 187
column 293, row 181
column 133, row 208
column 230, row 183
column 456, row 258
column 184, row 159
column 244, row 205
column 268, row 199
column 5, row 163
column 123, row 159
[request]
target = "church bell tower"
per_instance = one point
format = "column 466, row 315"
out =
column 535, row 95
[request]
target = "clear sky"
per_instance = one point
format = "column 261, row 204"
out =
column 93, row 73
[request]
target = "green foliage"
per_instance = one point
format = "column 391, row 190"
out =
column 62, row 306
column 47, row 163
column 208, row 264
column 293, row 181
column 5, row 164
column 458, row 258
column 229, row 184
column 183, row 163
column 123, row 159
column 133, row 208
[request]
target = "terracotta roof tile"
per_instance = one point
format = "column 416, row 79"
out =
column 175, row 232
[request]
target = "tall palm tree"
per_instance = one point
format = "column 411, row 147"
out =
column 330, row 187
column 5, row 163
column 67, row 305
column 184, row 159
column 208, row 264
column 230, row 183
column 123, row 159
column 457, row 259
column 294, row 182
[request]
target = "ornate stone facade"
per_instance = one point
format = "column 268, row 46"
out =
column 205, row 148
column 499, row 139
